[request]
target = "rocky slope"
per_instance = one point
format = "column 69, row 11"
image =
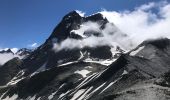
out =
column 88, row 72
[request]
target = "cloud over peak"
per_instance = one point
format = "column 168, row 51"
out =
column 107, row 36
column 149, row 21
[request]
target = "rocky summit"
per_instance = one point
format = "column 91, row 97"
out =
column 79, row 61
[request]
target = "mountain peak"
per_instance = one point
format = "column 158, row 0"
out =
column 96, row 17
column 70, row 21
column 72, row 14
column 6, row 51
column 73, row 21
column 23, row 52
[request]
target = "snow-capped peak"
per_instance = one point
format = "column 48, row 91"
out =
column 80, row 13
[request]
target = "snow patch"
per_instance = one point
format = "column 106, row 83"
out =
column 14, row 97
column 81, row 55
column 80, row 13
column 52, row 95
column 86, row 80
column 63, row 94
column 84, row 94
column 95, row 90
column 124, row 72
column 33, row 98
column 133, row 53
column 102, row 62
column 39, row 98
column 77, row 94
column 82, row 72
column 13, row 81
column 88, row 67
column 68, row 63
column 17, row 78
column 110, row 85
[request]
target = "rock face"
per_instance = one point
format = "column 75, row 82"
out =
column 102, row 72
column 9, row 70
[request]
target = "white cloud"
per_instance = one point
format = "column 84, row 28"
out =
column 87, row 26
column 5, row 57
column 34, row 45
column 1, row 49
column 147, row 6
column 144, row 22
column 109, row 36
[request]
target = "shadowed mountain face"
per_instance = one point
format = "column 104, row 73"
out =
column 102, row 72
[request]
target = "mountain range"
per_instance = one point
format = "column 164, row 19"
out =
column 86, row 58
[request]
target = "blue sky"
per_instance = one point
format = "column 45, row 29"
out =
column 24, row 22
